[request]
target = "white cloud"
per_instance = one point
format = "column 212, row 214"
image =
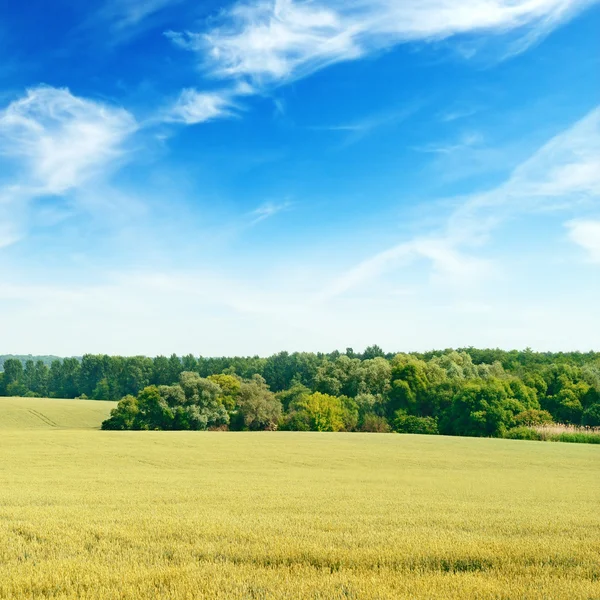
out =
column 355, row 131
column 124, row 15
column 231, row 308
column 586, row 233
column 272, row 41
column 561, row 175
column 268, row 210
column 53, row 143
column 61, row 139
column 198, row 107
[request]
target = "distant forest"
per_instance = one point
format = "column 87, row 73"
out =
column 455, row 392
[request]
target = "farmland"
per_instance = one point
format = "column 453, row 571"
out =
column 49, row 413
column 92, row 514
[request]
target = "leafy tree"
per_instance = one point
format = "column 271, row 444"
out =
column 531, row 417
column 189, row 363
column 259, row 408
column 102, row 390
column 566, row 405
column 40, row 379
column 374, row 424
column 404, row 423
column 175, row 368
column 375, row 376
column 154, row 411
column 230, row 389
column 13, row 379
column 342, row 376
column 124, row 416
column 160, row 371
column 323, row 412
column 373, row 352
column 204, row 397
column 481, row 408
column 409, row 384
column 292, row 395
column 591, row 416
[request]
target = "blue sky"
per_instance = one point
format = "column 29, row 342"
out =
column 247, row 177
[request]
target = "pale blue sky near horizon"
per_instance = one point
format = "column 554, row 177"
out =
column 246, row 177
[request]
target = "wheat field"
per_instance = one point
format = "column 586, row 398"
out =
column 92, row 514
column 49, row 413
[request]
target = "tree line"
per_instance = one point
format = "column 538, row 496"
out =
column 455, row 392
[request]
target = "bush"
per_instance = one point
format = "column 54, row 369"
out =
column 528, row 418
column 404, row 423
column 591, row 416
column 375, row 424
column 577, row 438
column 523, row 433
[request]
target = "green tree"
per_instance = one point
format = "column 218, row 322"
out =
column 175, row 368
column 259, row 408
column 124, row 416
column 404, row 423
column 230, row 390
column 13, row 380
column 324, row 412
column 153, row 410
column 591, row 416
column 160, row 371
column 482, row 408
column 202, row 400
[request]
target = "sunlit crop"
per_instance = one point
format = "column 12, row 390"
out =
column 284, row 515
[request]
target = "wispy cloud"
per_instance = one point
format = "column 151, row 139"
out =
column 455, row 114
column 586, row 233
column 466, row 141
column 272, row 41
column 194, row 107
column 268, row 210
column 126, row 18
column 355, row 131
column 53, row 143
column 260, row 44
column 562, row 174
column 129, row 13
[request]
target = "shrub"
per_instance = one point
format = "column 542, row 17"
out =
column 591, row 416
column 577, row 438
column 404, row 423
column 523, row 433
column 532, row 417
column 375, row 424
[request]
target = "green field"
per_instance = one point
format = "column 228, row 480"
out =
column 92, row 514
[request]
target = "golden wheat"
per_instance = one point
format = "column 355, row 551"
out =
column 49, row 413
column 130, row 515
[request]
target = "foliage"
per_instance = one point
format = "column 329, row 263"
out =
column 191, row 404
column 322, row 412
column 533, row 417
column 591, row 416
column 259, row 408
column 374, row 424
column 404, row 423
column 466, row 391
column 523, row 433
